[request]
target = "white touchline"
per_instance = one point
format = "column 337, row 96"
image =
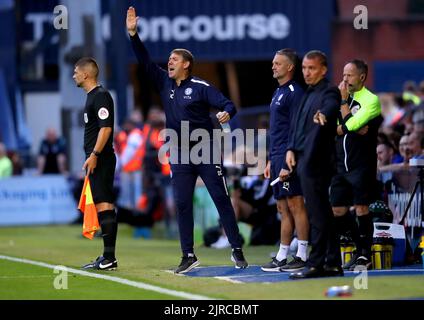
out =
column 136, row 284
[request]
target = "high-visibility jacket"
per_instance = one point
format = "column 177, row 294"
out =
column 152, row 138
column 132, row 155
column 120, row 142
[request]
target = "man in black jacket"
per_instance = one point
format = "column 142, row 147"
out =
column 311, row 149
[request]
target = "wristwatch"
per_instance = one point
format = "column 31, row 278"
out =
column 96, row 153
column 343, row 102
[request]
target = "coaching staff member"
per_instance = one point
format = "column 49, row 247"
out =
column 100, row 158
column 312, row 146
column 290, row 202
column 186, row 98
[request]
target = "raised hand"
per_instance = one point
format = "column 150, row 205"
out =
column 131, row 21
column 344, row 92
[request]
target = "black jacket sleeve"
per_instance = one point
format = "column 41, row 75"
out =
column 330, row 106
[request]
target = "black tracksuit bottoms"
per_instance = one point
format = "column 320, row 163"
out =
column 184, row 178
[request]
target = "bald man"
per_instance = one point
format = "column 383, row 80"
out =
column 100, row 157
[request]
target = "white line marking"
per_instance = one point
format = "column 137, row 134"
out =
column 27, row 277
column 136, row 284
column 229, row 280
column 389, row 270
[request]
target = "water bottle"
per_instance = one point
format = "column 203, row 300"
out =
column 225, row 126
column 339, row 291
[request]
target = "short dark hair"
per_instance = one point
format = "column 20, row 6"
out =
column 88, row 61
column 316, row 54
column 187, row 56
column 388, row 144
column 290, row 54
column 294, row 58
column 361, row 65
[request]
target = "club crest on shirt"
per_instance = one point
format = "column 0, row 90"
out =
column 355, row 109
column 103, row 113
column 187, row 93
column 85, row 117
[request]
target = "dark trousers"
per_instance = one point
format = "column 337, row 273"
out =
column 184, row 178
column 323, row 237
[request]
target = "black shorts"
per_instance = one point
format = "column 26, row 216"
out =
column 282, row 189
column 101, row 180
column 352, row 188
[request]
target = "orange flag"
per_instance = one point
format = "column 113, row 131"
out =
column 88, row 208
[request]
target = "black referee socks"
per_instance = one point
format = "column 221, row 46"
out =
column 109, row 225
column 366, row 228
column 346, row 225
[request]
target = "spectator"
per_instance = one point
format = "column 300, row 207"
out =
column 410, row 92
column 421, row 90
column 158, row 172
column 52, row 154
column 419, row 126
column 404, row 149
column 253, row 203
column 406, row 154
column 414, row 143
column 130, row 148
column 385, row 153
column 16, row 162
column 6, row 167
column 390, row 110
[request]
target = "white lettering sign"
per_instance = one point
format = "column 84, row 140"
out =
column 224, row 28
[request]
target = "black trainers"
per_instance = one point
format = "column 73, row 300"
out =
column 361, row 261
column 295, row 265
column 351, row 262
column 238, row 258
column 274, row 265
column 187, row 263
column 101, row 263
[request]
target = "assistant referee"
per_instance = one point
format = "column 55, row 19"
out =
column 100, row 157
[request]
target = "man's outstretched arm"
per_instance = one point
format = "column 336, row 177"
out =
column 156, row 73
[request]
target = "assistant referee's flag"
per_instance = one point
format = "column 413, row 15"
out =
column 88, row 208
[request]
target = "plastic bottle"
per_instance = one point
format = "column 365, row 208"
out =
column 339, row 291
column 225, row 126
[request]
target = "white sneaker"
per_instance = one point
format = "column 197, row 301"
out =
column 221, row 243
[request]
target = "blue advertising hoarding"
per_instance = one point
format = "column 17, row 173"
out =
column 236, row 29
column 213, row 30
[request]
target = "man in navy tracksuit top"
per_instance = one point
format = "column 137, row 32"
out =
column 288, row 193
column 186, row 98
